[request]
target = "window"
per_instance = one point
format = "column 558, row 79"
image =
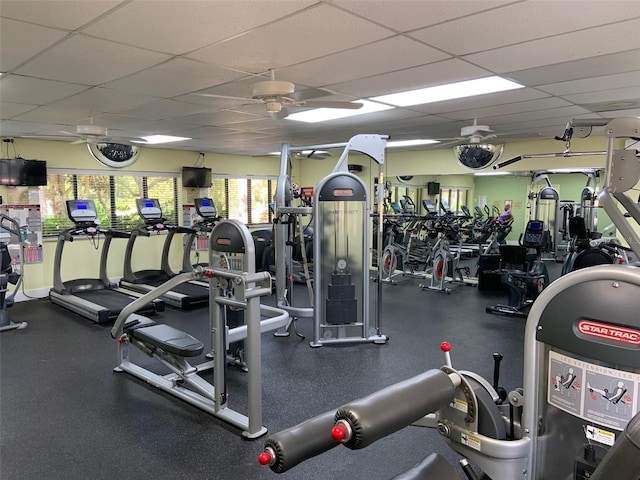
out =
column 454, row 197
column 114, row 196
column 245, row 199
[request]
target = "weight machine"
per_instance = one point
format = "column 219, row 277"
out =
column 581, row 340
column 241, row 289
column 340, row 211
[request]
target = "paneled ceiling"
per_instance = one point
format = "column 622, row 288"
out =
column 137, row 67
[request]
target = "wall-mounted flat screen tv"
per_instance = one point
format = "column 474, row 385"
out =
column 194, row 177
column 21, row 172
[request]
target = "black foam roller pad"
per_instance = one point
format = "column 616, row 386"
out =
column 395, row 407
column 301, row 442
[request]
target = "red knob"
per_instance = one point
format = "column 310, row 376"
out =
column 264, row 458
column 445, row 346
column 338, row 433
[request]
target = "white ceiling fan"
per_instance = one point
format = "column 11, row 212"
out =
column 471, row 134
column 88, row 134
column 276, row 95
column 472, row 148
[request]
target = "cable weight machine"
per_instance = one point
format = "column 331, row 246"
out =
column 340, row 297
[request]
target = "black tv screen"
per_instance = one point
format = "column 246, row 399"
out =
column 21, row 172
column 433, row 188
column 194, row 177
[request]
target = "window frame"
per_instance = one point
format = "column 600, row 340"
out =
column 112, row 213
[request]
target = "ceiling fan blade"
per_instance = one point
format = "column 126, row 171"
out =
column 446, row 142
column 228, row 97
column 309, row 93
column 72, row 134
column 330, row 104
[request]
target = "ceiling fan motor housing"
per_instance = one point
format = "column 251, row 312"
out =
column 92, row 130
column 272, row 88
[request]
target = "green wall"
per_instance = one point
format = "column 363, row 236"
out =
column 426, row 165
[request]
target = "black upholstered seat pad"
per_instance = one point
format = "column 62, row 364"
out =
column 169, row 339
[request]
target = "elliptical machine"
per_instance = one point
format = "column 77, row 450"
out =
column 9, row 273
column 523, row 276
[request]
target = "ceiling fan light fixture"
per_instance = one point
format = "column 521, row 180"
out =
column 273, row 106
column 477, row 156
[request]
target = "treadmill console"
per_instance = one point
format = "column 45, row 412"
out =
column 205, row 207
column 149, row 209
column 81, row 211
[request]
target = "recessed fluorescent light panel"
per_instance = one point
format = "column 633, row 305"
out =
column 450, row 91
column 323, row 114
column 156, row 139
column 410, row 143
column 492, row 174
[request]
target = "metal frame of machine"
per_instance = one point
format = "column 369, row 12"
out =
column 374, row 147
column 172, row 347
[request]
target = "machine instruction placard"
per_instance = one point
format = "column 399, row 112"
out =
column 602, row 395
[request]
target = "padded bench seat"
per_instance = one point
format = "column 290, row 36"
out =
column 167, row 338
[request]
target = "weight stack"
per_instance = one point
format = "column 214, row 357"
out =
column 342, row 305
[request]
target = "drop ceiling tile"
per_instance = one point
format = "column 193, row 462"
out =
column 97, row 100
column 58, row 116
column 116, row 121
column 162, row 110
column 65, row 14
column 206, row 133
column 160, row 127
column 633, row 112
column 453, row 36
column 579, row 69
column 566, row 113
column 391, row 54
column 550, row 127
column 9, row 110
column 561, row 48
column 194, row 24
column 222, row 117
column 13, row 53
column 405, row 15
column 310, row 34
column 605, row 95
column 509, row 108
column 438, row 73
column 19, row 89
column 68, row 61
column 605, row 82
column 480, row 101
column 11, row 128
column 168, row 79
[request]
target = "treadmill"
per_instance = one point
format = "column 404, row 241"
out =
column 94, row 298
column 206, row 210
column 186, row 295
